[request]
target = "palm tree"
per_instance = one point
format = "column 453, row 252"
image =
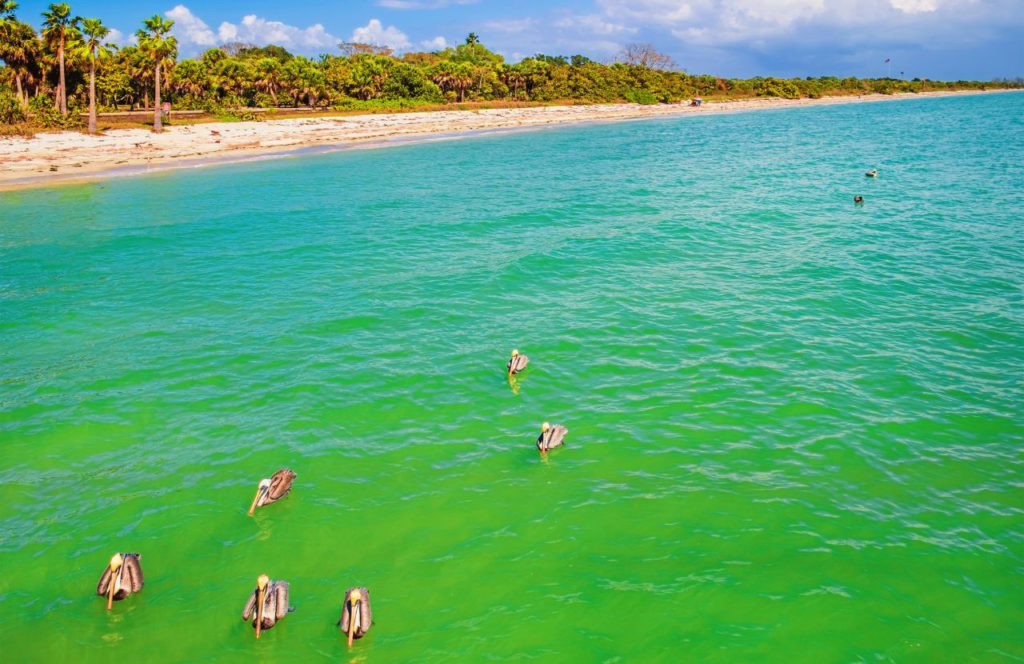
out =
column 58, row 26
column 190, row 79
column 472, row 38
column 155, row 42
column 92, row 49
column 267, row 77
column 19, row 49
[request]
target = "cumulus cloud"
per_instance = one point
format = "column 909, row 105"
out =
column 257, row 30
column 374, row 32
column 511, row 26
column 115, row 37
column 713, row 22
column 194, row 34
column 435, row 44
column 914, row 6
column 594, row 24
column 189, row 28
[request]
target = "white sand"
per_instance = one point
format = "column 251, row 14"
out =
column 70, row 156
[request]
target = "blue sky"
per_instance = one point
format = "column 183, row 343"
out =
column 947, row 39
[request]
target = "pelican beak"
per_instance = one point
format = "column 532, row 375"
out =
column 115, row 566
column 259, row 611
column 261, row 593
column 256, row 499
column 354, row 599
column 352, row 608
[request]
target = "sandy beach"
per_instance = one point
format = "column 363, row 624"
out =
column 51, row 158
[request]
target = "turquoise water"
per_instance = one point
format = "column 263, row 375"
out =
column 795, row 424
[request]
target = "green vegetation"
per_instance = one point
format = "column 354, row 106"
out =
column 51, row 77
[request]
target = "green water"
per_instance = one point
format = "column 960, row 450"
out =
column 796, row 425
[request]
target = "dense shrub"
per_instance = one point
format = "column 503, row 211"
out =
column 640, row 96
column 11, row 111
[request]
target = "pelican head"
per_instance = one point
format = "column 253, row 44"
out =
column 116, row 561
column 261, row 491
column 515, row 352
column 354, row 598
column 544, row 428
column 262, row 581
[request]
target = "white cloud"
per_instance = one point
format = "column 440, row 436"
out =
column 189, row 28
column 914, row 6
column 115, row 37
column 719, row 22
column 435, row 44
column 648, row 11
column 258, row 30
column 745, row 13
column 511, row 26
column 593, row 24
column 192, row 32
column 374, row 32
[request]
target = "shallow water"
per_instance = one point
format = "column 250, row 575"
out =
column 795, row 424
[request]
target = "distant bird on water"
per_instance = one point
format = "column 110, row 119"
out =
column 551, row 437
column 873, row 173
column 267, row 604
column 121, row 578
column 356, row 617
column 858, row 200
column 272, row 490
column 516, row 363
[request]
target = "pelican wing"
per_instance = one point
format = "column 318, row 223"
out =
column 250, row 606
column 365, row 614
column 280, row 485
column 280, row 593
column 552, row 438
column 101, row 587
column 132, row 580
column 270, row 606
column 556, row 436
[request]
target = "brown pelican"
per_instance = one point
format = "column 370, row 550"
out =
column 858, row 200
column 873, row 173
column 272, row 490
column 122, row 577
column 516, row 363
column 356, row 617
column 551, row 437
column 267, row 604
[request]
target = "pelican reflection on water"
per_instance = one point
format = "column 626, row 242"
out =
column 267, row 604
column 273, row 489
column 121, row 578
column 356, row 617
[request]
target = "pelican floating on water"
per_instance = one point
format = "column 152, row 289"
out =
column 356, row 617
column 272, row 490
column 516, row 363
column 873, row 173
column 551, row 437
column 121, row 578
column 267, row 604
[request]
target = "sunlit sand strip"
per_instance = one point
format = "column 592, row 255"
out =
column 52, row 158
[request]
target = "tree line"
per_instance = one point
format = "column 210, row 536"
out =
column 53, row 76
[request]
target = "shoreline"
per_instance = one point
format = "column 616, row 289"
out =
column 75, row 158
